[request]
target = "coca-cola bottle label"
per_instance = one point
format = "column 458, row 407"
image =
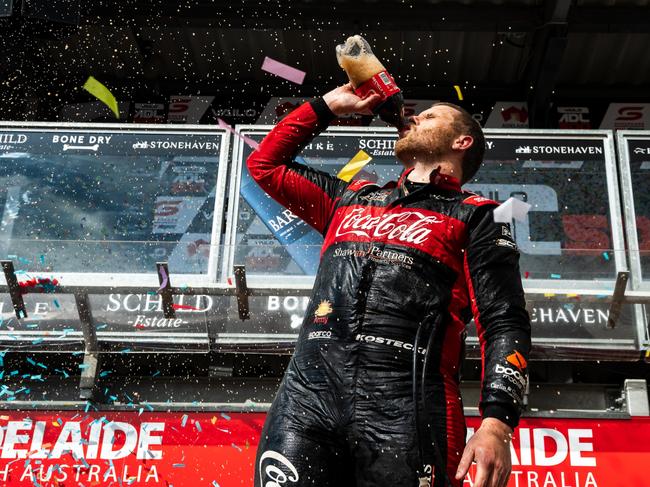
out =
column 382, row 84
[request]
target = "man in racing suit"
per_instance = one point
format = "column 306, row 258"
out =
column 367, row 399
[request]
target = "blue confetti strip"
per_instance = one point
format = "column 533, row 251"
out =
column 556, row 276
column 178, row 465
column 198, row 426
column 184, row 420
column 56, row 303
column 157, row 372
column 126, row 350
column 225, row 416
column 65, row 374
column 606, row 256
column 42, row 258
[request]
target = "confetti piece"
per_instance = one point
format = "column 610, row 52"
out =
column 247, row 140
column 214, row 420
column 511, row 208
column 102, row 93
column 549, row 295
column 165, row 280
column 458, row 92
column 126, row 350
column 225, row 416
column 355, row 164
column 197, row 426
column 283, row 70
column 42, row 258
column 185, row 306
column 56, row 303
column 178, row 465
column 556, row 276
column 157, row 372
column 184, row 420
column 526, row 274
column 606, row 256
column 102, row 326
column 230, row 281
column 215, row 484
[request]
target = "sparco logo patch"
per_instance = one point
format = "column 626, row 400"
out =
column 275, row 475
column 315, row 335
column 407, row 226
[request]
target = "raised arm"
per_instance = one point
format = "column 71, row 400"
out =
column 307, row 192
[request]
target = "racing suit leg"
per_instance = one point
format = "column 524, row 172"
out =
column 300, row 445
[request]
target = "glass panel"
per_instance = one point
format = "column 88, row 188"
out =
column 52, row 324
column 567, row 233
column 85, row 201
column 560, row 319
column 639, row 151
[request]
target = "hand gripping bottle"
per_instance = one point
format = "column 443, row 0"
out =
column 369, row 76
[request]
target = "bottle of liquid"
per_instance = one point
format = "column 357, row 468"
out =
column 368, row 76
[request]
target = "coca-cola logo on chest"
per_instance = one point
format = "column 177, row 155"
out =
column 405, row 226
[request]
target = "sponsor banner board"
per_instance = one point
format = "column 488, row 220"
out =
column 508, row 115
column 148, row 113
column 145, row 448
column 627, row 116
column 187, row 109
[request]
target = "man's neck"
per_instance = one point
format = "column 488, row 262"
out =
column 422, row 171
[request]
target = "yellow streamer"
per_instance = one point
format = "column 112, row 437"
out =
column 100, row 92
column 354, row 166
column 458, row 92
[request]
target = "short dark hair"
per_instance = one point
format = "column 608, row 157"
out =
column 465, row 124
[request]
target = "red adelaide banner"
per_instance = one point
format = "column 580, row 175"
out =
column 49, row 449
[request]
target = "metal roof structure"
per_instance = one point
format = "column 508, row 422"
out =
column 534, row 50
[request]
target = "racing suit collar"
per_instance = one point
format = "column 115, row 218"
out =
column 442, row 181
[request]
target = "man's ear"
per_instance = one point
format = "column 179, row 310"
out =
column 462, row 142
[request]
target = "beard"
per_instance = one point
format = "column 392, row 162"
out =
column 424, row 145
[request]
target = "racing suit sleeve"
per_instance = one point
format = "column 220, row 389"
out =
column 307, row 192
column 499, row 309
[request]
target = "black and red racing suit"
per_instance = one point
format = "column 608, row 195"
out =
column 393, row 261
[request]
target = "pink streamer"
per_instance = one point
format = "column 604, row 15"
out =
column 165, row 279
column 247, row 140
column 283, row 71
